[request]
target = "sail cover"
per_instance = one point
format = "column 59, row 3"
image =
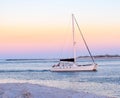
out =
column 68, row 60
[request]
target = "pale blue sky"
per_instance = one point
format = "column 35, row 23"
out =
column 60, row 8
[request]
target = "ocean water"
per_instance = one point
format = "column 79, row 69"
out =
column 105, row 81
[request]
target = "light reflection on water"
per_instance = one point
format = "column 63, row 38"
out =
column 91, row 87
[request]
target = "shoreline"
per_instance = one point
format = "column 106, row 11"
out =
column 79, row 57
column 24, row 89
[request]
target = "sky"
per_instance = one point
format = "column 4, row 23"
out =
column 42, row 28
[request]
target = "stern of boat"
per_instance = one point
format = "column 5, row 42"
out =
column 95, row 67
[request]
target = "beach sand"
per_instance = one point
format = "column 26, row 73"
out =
column 28, row 90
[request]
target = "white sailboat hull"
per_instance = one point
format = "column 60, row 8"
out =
column 74, row 68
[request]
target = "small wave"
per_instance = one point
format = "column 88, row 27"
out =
column 44, row 70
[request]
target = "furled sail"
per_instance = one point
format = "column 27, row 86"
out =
column 68, row 60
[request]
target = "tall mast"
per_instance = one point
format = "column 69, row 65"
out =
column 74, row 51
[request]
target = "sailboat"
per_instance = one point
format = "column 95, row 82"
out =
column 70, row 64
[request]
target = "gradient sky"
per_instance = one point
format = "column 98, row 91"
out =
column 41, row 28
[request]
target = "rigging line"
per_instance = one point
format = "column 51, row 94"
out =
column 84, row 40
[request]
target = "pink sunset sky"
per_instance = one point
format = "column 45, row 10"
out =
column 41, row 29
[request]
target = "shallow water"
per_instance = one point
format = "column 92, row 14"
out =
column 106, row 81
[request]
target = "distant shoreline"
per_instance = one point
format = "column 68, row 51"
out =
column 96, row 56
column 101, row 56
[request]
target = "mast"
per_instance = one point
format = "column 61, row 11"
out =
column 74, row 50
